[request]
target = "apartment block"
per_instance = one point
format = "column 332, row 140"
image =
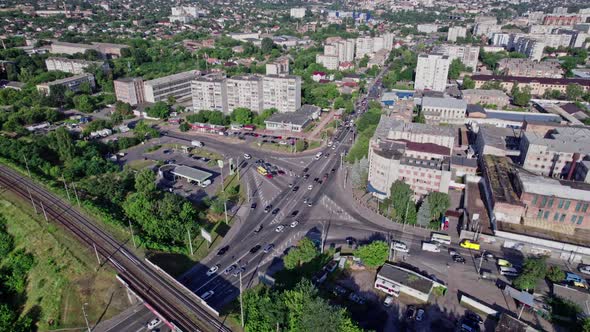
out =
column 529, row 68
column 485, row 28
column 297, row 12
column 130, row 90
column 443, row 110
column 418, row 154
column 486, row 97
column 427, row 28
column 282, row 92
column 73, row 66
column 364, row 46
column 279, row 66
column 70, row 83
column 556, row 153
column 244, row 91
column 107, row 49
column 538, row 85
column 532, row 48
column 456, row 32
column 177, row 86
column 562, row 19
column 432, row 71
column 331, row 62
column 468, row 55
column 209, row 93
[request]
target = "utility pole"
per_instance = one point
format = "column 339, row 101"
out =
column 44, row 213
column 31, row 197
column 480, row 263
column 406, row 215
column 241, row 302
column 96, row 252
column 190, row 242
column 86, row 317
column 76, row 193
column 65, row 186
column 132, row 237
column 27, row 165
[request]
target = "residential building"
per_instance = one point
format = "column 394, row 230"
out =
column 502, row 142
column 297, row 12
column 176, row 85
column 130, row 90
column 364, row 46
column 245, row 36
column 555, row 153
column 70, row 83
column 467, row 54
column 282, row 92
column 293, row 121
column 529, row 68
column 486, row 28
column 278, row 66
column 73, row 66
column 562, row 19
column 331, row 62
column 209, row 93
column 532, row 48
column 538, row 85
column 244, row 91
column 393, row 280
column 486, row 97
column 443, row 110
column 418, row 154
column 431, row 72
column 378, row 58
column 336, row 51
column 582, row 171
column 427, row 28
column 368, row 45
column 456, row 32
column 107, row 49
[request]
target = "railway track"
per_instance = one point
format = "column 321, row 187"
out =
column 178, row 306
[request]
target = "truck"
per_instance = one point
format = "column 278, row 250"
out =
column 197, row 144
column 470, row 245
column 429, row 246
column 440, row 238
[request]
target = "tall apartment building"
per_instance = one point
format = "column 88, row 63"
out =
column 244, row 91
column 486, row 28
column 297, row 12
column 369, row 45
column 529, row 68
column 185, row 14
column 336, row 51
column 417, row 154
column 456, row 32
column 431, row 72
column 364, row 46
column 279, row 66
column 70, row 83
column 556, row 153
column 468, row 55
column 281, row 92
column 331, row 62
column 177, row 86
column 427, row 28
column 532, row 48
column 562, row 19
column 443, row 110
column 130, row 90
column 73, row 66
column 209, row 93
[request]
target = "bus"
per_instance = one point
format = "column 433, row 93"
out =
column 440, row 238
column 261, row 170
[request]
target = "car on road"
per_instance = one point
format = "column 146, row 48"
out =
column 388, row 301
column 212, row 270
column 267, row 248
column 279, row 228
column 332, row 170
column 294, row 213
column 268, row 208
column 222, row 251
column 247, row 156
column 290, row 185
column 238, row 271
column 305, row 170
column 306, row 200
column 275, row 211
column 309, row 203
column 258, row 229
column 153, row 323
column 316, row 179
column 420, row 315
column 294, row 223
column 410, row 312
column 400, row 246
column 584, row 269
column 230, row 268
column 306, row 176
column 458, row 259
column 281, row 172
column 253, row 206
column 207, row 295
column 295, row 188
column 255, row 249
column 470, row 245
column 166, row 151
column 310, row 187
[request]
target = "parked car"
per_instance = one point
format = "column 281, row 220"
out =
column 458, row 259
column 247, row 156
column 207, row 295
column 275, row 211
column 255, row 249
column 222, row 251
column 388, row 301
column 280, row 228
column 420, row 315
column 153, row 323
column 212, row 270
column 401, row 247
column 294, row 224
column 584, row 269
column 310, row 187
column 410, row 312
column 267, row 248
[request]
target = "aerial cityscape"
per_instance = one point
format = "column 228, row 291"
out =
column 294, row 165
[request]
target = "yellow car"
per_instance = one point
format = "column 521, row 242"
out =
column 470, row 245
column 503, row 262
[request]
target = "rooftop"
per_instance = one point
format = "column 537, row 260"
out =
column 541, row 80
column 563, row 139
column 444, row 103
column 174, row 77
column 405, row 277
column 541, row 185
column 191, row 173
column 68, row 79
column 501, row 138
column 499, row 172
column 300, row 117
column 74, row 60
column 387, row 124
column 481, row 92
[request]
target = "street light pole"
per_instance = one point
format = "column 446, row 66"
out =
column 132, row 237
column 86, row 317
column 190, row 241
column 241, row 302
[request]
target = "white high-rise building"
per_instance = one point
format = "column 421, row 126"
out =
column 364, row 46
column 331, row 62
column 209, row 93
column 297, row 12
column 466, row 53
column 431, row 72
column 244, row 91
column 281, row 92
column 176, row 85
column 456, row 32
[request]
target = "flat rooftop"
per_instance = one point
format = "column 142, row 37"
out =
column 191, row 173
column 499, row 172
column 405, row 277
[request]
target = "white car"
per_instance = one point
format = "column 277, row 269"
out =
column 584, row 269
column 155, row 322
column 247, row 156
column 294, row 223
column 207, row 295
column 212, row 270
column 401, row 247
column 279, row 228
column 310, row 187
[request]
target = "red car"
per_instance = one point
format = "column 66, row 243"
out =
column 269, row 176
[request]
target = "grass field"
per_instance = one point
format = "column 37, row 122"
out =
column 64, row 276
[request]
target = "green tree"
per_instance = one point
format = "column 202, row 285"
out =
column 552, row 94
column 402, row 202
column 145, row 182
column 439, row 204
column 555, row 274
column 84, row 103
column 242, row 115
column 144, row 131
column 521, row 97
column 267, row 45
column 574, row 91
column 534, row 269
column 184, row 127
column 373, row 254
column 468, row 83
column 160, row 110
column 456, row 68
column 305, row 252
column 265, row 114
column 424, row 213
column 63, row 144
column 300, row 145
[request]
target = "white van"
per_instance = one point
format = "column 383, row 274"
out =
column 440, row 238
column 319, row 155
column 508, row 271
